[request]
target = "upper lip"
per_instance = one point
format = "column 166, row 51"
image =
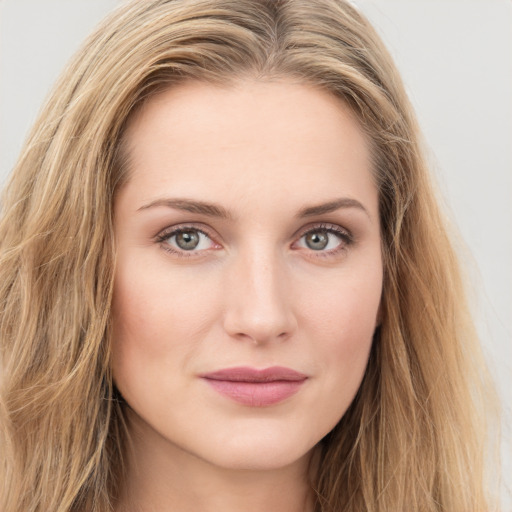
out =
column 248, row 374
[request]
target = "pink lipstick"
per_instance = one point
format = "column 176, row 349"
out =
column 256, row 388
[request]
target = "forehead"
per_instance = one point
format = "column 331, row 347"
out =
column 248, row 139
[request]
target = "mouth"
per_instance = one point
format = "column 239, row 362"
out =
column 254, row 387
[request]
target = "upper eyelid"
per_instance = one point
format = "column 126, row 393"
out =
column 326, row 226
column 340, row 231
column 172, row 230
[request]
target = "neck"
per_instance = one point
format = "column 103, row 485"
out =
column 163, row 477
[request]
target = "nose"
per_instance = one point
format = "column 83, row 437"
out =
column 259, row 299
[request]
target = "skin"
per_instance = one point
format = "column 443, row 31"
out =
column 254, row 292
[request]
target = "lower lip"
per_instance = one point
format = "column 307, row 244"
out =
column 256, row 394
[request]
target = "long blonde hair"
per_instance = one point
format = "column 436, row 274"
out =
column 414, row 437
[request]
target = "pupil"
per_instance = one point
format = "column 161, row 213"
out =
column 187, row 240
column 317, row 240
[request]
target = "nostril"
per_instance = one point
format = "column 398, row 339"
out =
column 259, row 332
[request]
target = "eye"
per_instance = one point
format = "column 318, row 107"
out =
column 184, row 240
column 326, row 239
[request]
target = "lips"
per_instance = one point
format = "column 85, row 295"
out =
column 254, row 387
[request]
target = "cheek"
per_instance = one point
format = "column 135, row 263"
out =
column 149, row 299
column 158, row 323
column 346, row 306
column 342, row 320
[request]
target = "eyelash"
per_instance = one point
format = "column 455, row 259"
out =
column 169, row 233
column 345, row 236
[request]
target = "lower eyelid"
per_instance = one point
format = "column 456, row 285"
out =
column 345, row 239
column 176, row 232
column 169, row 233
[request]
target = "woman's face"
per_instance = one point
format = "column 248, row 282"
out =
column 249, row 271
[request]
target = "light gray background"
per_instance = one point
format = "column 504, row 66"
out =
column 456, row 60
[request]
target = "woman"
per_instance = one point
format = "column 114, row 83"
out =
column 225, row 281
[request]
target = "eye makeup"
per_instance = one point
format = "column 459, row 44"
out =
column 189, row 240
column 186, row 235
column 324, row 234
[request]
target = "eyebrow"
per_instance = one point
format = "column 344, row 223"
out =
column 331, row 206
column 192, row 206
column 216, row 210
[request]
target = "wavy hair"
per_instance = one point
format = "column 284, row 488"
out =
column 413, row 438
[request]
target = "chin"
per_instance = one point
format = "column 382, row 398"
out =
column 259, row 452
column 259, row 459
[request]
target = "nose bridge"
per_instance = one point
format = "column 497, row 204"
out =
column 259, row 302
